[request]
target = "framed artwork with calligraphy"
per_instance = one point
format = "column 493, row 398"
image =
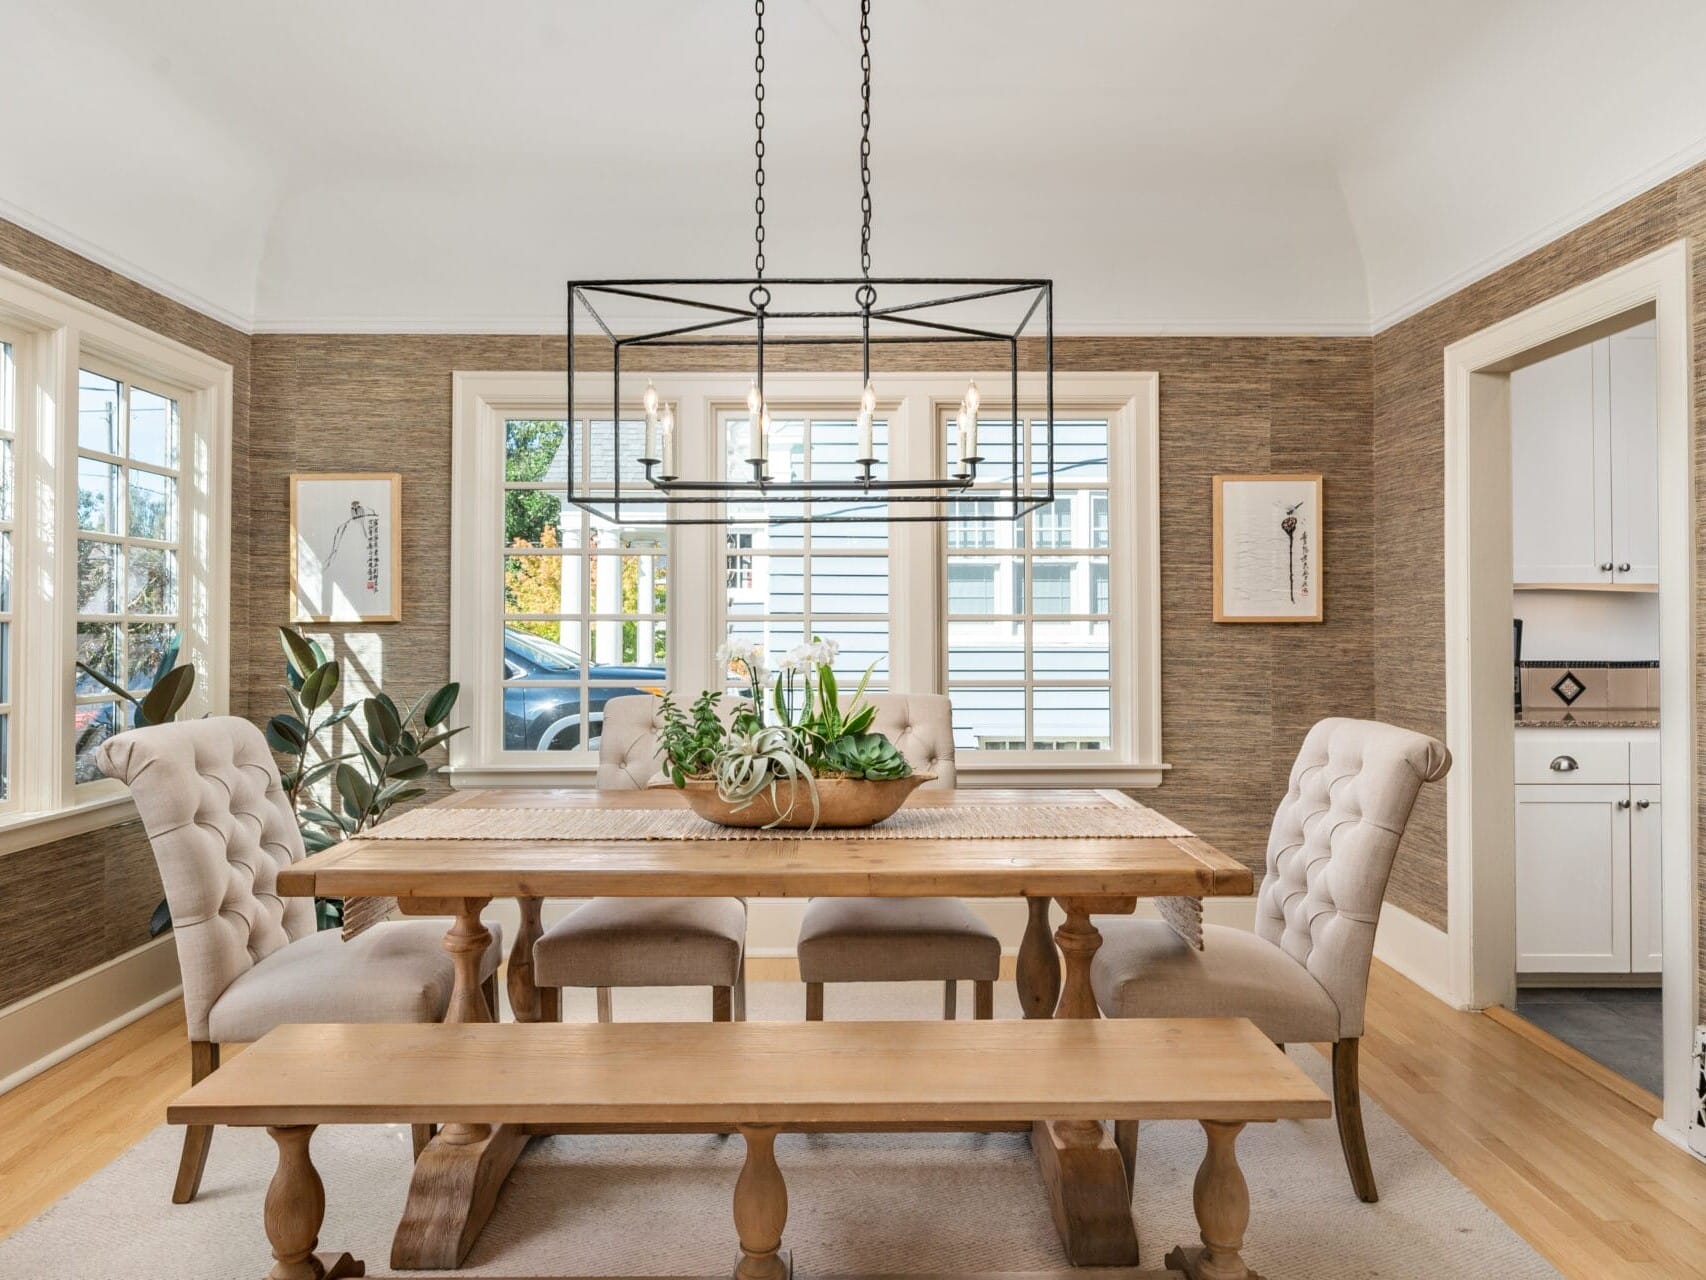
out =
column 1267, row 548
column 346, row 549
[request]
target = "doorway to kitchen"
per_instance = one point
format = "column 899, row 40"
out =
column 1485, row 693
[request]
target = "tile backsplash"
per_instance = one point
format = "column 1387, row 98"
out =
column 1549, row 685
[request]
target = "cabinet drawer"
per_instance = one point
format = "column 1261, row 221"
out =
column 1571, row 755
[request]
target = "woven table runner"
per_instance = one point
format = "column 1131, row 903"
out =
column 956, row 822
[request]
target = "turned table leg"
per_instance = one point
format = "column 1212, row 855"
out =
column 1089, row 1192
column 295, row 1207
column 459, row 1174
column 1038, row 970
column 761, row 1209
column 1222, row 1201
column 523, row 992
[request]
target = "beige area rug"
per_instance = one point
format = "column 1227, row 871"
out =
column 858, row 1204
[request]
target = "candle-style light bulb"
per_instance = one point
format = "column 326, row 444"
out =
column 668, row 424
column 868, row 401
column 973, row 400
column 754, row 401
column 866, row 449
column 964, row 425
column 651, row 403
column 760, row 429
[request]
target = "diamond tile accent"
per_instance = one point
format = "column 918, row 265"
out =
column 1568, row 688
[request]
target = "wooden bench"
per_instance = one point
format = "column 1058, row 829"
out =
column 758, row 1078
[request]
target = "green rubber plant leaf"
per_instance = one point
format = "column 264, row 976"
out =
column 161, row 703
column 383, row 725
column 168, row 658
column 406, row 767
column 319, row 686
column 357, row 791
column 299, row 654
column 441, row 704
column 287, row 734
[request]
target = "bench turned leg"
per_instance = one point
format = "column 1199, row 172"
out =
column 1222, row 1201
column 204, row 1061
column 295, row 1207
column 761, row 1209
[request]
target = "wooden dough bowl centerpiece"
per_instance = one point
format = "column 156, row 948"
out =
column 812, row 763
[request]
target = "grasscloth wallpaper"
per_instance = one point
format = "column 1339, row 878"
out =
column 1367, row 413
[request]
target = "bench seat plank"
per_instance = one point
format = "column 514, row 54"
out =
column 756, row 1073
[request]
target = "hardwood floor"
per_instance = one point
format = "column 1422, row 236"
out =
column 1571, row 1166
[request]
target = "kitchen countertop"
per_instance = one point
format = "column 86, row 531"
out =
column 1588, row 718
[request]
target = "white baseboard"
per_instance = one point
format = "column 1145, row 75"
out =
column 51, row 1025
column 773, row 924
column 1415, row 949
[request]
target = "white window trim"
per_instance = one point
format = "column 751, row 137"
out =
column 481, row 400
column 55, row 334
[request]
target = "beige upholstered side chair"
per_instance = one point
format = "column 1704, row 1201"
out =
column 643, row 942
column 903, row 939
column 221, row 827
column 1303, row 974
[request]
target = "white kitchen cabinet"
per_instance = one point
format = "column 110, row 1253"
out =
column 1646, row 919
column 1572, row 878
column 1632, row 363
column 1584, row 465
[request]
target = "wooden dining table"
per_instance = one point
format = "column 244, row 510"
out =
column 458, row 1177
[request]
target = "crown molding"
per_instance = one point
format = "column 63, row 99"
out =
column 1648, row 178
column 101, row 257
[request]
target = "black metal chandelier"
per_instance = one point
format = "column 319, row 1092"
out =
column 869, row 313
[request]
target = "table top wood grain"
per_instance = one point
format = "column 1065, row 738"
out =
column 756, row 1073
column 812, row 864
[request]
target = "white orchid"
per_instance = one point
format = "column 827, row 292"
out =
column 819, row 653
column 748, row 657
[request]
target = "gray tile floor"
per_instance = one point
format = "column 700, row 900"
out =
column 1618, row 1027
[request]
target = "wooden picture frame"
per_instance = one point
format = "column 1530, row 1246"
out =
column 356, row 515
column 1268, row 548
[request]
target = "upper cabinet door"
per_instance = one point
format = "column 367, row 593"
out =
column 1560, row 455
column 1634, row 404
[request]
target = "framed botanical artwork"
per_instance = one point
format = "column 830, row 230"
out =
column 1267, row 548
column 346, row 548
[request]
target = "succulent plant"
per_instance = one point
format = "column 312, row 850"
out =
column 870, row 756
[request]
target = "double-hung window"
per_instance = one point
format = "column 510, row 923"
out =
column 1044, row 631
column 114, row 519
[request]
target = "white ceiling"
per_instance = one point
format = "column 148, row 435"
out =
column 1175, row 165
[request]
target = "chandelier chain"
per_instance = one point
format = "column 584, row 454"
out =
column 865, row 138
column 758, row 145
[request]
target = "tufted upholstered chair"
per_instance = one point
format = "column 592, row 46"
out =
column 643, row 942
column 903, row 939
column 1303, row 974
column 221, row 828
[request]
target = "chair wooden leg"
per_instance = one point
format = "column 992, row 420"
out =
column 722, row 1004
column 489, row 989
column 814, row 1002
column 1347, row 1109
column 605, row 1014
column 550, row 1004
column 950, row 1000
column 1125, row 1138
column 204, row 1061
column 983, row 1000
column 740, row 992
column 420, row 1135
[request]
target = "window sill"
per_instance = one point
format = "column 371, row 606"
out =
column 978, row 773
column 30, row 830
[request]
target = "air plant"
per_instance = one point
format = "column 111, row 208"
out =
column 756, row 762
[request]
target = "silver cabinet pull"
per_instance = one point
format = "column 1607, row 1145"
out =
column 1623, row 568
column 1622, row 804
column 1642, row 804
column 1564, row 764
column 1606, row 567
